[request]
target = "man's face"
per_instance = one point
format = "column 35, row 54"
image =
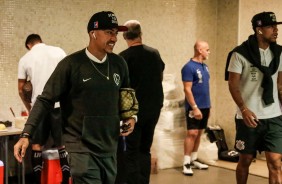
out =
column 205, row 51
column 270, row 33
column 106, row 39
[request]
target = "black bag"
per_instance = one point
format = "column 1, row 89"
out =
column 217, row 135
column 229, row 155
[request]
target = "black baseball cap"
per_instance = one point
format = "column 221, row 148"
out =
column 264, row 19
column 104, row 20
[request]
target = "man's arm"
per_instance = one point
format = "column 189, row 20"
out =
column 247, row 114
column 233, row 83
column 279, row 86
column 21, row 83
column 190, row 99
column 56, row 85
column 21, row 146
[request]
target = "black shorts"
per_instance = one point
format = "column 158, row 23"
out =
column 50, row 125
column 193, row 123
column 267, row 136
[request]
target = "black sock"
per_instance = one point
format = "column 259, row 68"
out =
column 36, row 162
column 64, row 165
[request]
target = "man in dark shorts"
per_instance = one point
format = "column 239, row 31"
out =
column 255, row 83
column 195, row 77
column 37, row 65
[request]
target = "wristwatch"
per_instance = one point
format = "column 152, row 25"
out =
column 24, row 135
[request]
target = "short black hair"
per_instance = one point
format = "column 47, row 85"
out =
column 32, row 38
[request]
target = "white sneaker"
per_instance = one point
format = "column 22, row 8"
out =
column 198, row 165
column 187, row 170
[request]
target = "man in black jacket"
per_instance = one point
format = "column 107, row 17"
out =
column 87, row 84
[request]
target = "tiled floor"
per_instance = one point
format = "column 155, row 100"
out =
column 214, row 175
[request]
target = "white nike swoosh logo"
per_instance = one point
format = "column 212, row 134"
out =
column 84, row 80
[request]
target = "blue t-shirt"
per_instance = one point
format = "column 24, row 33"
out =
column 197, row 73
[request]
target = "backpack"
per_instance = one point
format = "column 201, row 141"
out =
column 216, row 134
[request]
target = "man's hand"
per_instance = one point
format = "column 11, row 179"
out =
column 130, row 123
column 20, row 148
column 250, row 119
column 197, row 114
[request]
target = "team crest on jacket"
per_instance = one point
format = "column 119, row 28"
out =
column 116, row 78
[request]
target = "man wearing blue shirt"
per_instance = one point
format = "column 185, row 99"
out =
column 195, row 77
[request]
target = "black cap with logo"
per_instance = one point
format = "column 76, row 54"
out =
column 264, row 19
column 104, row 20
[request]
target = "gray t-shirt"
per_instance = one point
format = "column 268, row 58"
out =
column 250, row 84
